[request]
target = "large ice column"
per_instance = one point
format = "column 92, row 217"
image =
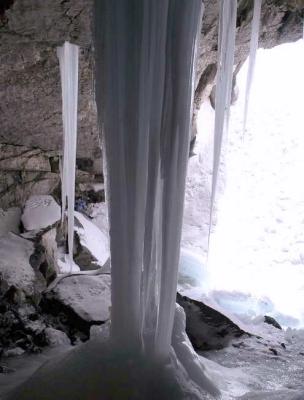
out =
column 144, row 85
column 225, row 62
column 254, row 42
column 68, row 58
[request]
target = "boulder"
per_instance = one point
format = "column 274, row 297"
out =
column 271, row 321
column 206, row 327
column 15, row 268
column 40, row 212
column 55, row 337
column 10, row 220
column 88, row 296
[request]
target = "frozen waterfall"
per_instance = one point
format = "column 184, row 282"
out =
column 144, row 85
column 68, row 59
column 254, row 42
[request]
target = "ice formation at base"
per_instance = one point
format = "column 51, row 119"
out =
column 254, row 42
column 68, row 58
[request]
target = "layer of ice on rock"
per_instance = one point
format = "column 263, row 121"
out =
column 40, row 212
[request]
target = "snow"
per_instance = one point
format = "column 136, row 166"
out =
column 98, row 212
column 96, row 370
column 264, row 195
column 40, row 212
column 256, row 249
column 92, row 238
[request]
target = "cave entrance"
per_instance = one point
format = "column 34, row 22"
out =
column 257, row 245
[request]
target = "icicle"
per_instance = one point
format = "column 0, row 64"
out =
column 144, row 64
column 68, row 59
column 254, row 42
column 226, row 45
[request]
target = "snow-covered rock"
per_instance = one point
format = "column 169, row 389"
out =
column 9, row 220
column 15, row 268
column 94, row 243
column 88, row 296
column 40, row 212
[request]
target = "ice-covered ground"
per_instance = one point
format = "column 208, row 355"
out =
column 257, row 247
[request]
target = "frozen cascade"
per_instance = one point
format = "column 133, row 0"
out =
column 145, row 53
column 68, row 59
column 144, row 103
column 226, row 44
column 254, row 42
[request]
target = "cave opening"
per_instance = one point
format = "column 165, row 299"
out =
column 255, row 262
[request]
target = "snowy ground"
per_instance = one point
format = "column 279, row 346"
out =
column 257, row 246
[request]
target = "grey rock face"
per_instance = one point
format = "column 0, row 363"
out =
column 30, row 95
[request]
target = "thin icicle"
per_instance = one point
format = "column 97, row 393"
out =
column 68, row 58
column 254, row 42
column 226, row 45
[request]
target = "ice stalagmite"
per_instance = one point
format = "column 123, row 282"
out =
column 144, row 85
column 68, row 59
column 226, row 45
column 254, row 42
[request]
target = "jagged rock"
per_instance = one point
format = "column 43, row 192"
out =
column 40, row 212
column 76, row 304
column 29, row 70
column 21, row 158
column 15, row 268
column 17, row 186
column 10, row 220
column 92, row 244
column 271, row 321
column 206, row 327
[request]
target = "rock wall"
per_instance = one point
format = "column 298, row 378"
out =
column 30, row 94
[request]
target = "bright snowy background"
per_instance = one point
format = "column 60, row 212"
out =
column 257, row 247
